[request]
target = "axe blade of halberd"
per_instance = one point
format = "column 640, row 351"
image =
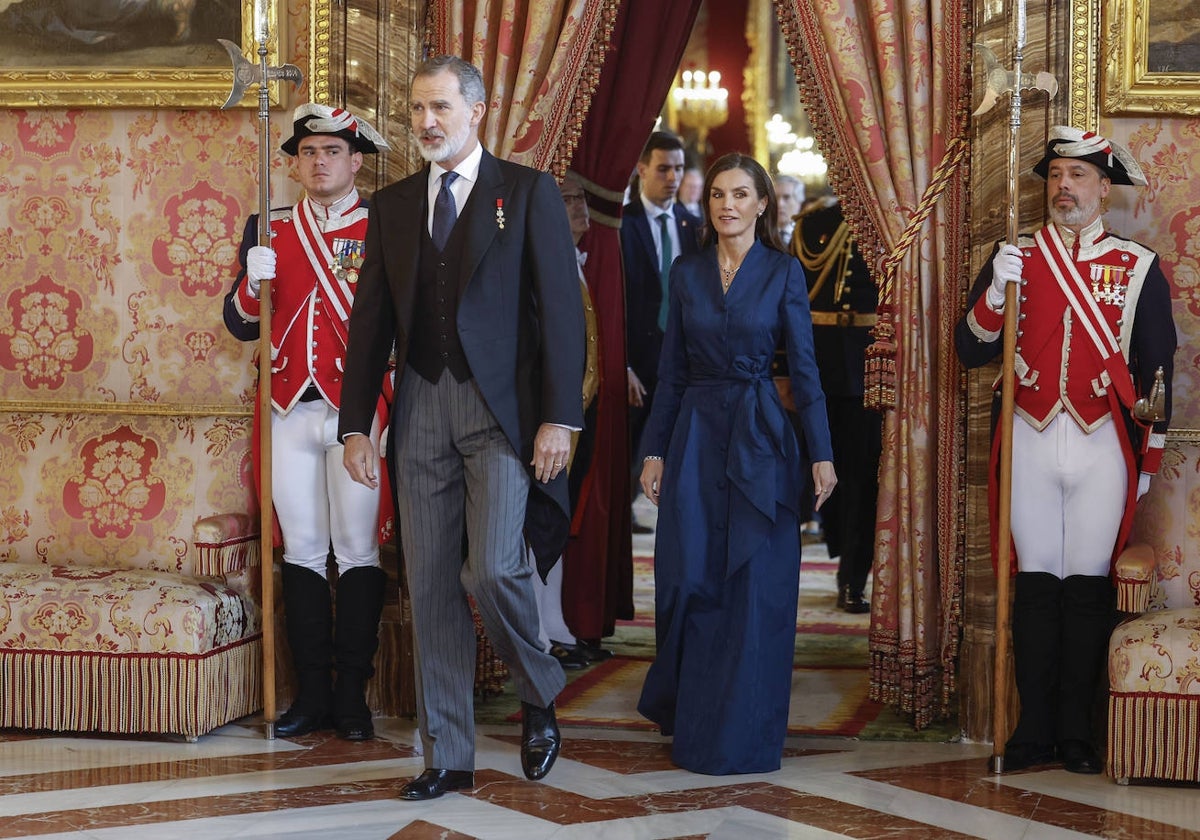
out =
column 247, row 73
column 1001, row 81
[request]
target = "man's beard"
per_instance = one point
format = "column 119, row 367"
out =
column 450, row 146
column 1077, row 216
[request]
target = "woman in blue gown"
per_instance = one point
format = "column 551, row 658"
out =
column 723, row 465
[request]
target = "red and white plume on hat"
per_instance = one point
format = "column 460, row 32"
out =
column 1082, row 144
column 332, row 120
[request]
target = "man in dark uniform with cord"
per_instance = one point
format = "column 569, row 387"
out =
column 843, row 298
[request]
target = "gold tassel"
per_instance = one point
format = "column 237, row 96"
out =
column 879, row 382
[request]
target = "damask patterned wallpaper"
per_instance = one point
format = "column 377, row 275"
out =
column 118, row 235
column 118, row 240
column 1165, row 215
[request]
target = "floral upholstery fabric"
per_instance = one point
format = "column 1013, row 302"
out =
column 1154, row 657
column 1158, row 652
column 114, row 611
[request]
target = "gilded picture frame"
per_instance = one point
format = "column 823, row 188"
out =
column 1151, row 57
column 89, row 54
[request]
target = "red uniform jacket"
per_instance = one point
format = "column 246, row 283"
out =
column 1059, row 366
column 308, row 323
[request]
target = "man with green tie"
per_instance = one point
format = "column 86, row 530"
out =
column 655, row 229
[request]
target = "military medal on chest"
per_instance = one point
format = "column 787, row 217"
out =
column 347, row 259
column 1109, row 283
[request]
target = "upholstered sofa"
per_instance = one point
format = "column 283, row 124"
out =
column 124, row 607
column 1154, row 655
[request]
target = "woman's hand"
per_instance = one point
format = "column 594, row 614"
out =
column 824, row 480
column 652, row 474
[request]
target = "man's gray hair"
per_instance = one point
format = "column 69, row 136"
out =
column 796, row 183
column 470, row 80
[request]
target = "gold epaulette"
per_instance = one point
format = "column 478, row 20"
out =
column 816, row 204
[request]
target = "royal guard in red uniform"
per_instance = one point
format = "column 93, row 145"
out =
column 317, row 248
column 1093, row 365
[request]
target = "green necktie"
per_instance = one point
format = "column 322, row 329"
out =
column 664, row 270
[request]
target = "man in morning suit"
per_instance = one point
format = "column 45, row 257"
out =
column 470, row 271
column 655, row 230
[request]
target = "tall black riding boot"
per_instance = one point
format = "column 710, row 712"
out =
column 309, row 611
column 1088, row 611
column 1036, row 636
column 360, row 594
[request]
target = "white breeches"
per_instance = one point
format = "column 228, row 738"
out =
column 316, row 501
column 551, row 624
column 1068, row 496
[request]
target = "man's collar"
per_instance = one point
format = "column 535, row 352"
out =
column 653, row 211
column 1089, row 235
column 338, row 208
column 467, row 168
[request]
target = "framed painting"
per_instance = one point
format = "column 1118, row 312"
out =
column 1151, row 61
column 127, row 53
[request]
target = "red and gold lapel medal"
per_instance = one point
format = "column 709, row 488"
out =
column 500, row 213
column 1109, row 283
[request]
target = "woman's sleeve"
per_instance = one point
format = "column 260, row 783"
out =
column 802, row 364
column 672, row 372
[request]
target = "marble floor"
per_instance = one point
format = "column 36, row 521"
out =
column 234, row 783
column 608, row 783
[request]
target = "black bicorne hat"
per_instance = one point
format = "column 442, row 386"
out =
column 1114, row 160
column 312, row 118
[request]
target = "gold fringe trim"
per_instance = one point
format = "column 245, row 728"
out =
column 131, row 693
column 226, row 556
column 588, row 83
column 1154, row 736
column 898, row 679
column 126, row 408
column 1133, row 596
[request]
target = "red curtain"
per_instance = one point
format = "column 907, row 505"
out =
column 647, row 44
column 729, row 51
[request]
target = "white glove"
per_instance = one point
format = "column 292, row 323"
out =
column 1006, row 268
column 260, row 265
column 1143, row 485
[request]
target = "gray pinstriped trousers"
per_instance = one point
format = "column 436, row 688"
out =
column 456, row 473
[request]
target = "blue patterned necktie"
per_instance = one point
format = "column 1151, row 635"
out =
column 664, row 270
column 445, row 212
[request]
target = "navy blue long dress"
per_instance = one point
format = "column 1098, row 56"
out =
column 727, row 552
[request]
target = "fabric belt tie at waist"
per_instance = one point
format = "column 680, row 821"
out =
column 758, row 446
column 311, row 394
column 844, row 319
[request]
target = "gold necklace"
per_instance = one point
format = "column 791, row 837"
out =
column 727, row 274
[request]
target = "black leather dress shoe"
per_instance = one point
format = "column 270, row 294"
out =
column 853, row 603
column 540, row 740
column 1022, row 756
column 1079, row 757
column 590, row 649
column 293, row 724
column 433, row 783
column 355, row 728
column 568, row 657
